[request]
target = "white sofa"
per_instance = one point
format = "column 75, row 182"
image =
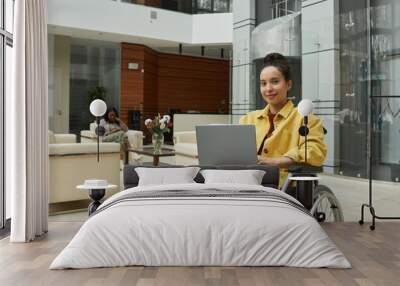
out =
column 135, row 137
column 61, row 138
column 185, row 134
column 71, row 163
column 188, row 122
column 185, row 146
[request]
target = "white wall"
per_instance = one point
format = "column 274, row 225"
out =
column 127, row 19
column 212, row 28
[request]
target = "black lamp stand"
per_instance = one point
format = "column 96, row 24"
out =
column 303, row 131
column 98, row 137
column 305, row 189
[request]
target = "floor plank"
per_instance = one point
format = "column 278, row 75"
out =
column 375, row 257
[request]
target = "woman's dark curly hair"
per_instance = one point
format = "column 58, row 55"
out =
column 280, row 62
column 109, row 109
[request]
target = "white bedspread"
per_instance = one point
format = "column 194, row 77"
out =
column 200, row 231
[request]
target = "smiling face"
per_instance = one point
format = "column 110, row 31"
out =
column 274, row 88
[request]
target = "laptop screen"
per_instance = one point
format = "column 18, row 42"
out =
column 226, row 144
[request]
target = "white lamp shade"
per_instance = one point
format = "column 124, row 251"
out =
column 305, row 107
column 98, row 107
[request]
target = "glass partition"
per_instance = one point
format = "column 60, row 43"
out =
column 77, row 67
column 93, row 64
column 370, row 67
column 385, row 89
column 370, row 104
column 353, row 113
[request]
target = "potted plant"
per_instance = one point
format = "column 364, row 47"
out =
column 157, row 127
column 98, row 92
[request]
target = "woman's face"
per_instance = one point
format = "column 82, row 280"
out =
column 274, row 87
column 111, row 116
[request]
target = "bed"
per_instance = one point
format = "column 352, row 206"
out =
column 201, row 224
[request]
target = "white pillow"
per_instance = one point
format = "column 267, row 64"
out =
column 164, row 176
column 248, row 177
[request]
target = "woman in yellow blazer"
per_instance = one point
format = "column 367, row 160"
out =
column 277, row 125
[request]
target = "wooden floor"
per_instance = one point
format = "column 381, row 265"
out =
column 375, row 257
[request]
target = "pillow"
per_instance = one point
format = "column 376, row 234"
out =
column 163, row 176
column 248, row 177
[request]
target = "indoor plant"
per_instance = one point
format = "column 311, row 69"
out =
column 157, row 127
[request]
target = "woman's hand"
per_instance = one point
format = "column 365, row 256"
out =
column 281, row 162
column 267, row 161
column 121, row 124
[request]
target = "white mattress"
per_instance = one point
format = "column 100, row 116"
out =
column 191, row 231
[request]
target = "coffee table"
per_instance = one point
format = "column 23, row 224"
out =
column 149, row 151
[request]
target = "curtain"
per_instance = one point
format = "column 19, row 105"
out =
column 27, row 123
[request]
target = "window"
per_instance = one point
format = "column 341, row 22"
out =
column 6, row 42
column 211, row 6
column 9, row 15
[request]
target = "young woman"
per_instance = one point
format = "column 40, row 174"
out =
column 114, row 129
column 277, row 125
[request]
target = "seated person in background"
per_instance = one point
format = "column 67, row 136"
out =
column 277, row 125
column 114, row 129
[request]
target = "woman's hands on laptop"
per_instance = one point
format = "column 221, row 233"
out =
column 281, row 162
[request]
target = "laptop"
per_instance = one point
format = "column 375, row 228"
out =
column 226, row 144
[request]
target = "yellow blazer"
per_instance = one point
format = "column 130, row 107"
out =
column 285, row 140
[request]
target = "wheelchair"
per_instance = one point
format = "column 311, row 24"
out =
column 317, row 198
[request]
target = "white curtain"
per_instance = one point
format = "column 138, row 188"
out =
column 27, row 123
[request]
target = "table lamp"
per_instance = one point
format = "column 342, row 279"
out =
column 98, row 108
column 305, row 107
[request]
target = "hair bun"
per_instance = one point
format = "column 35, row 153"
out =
column 274, row 58
column 280, row 62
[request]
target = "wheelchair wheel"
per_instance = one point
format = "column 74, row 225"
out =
column 326, row 207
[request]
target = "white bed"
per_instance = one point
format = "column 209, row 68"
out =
column 185, row 230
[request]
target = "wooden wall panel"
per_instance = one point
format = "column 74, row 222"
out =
column 192, row 83
column 150, row 101
column 165, row 81
column 132, row 81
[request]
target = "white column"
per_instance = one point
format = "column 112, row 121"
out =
column 321, row 68
column 243, row 99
